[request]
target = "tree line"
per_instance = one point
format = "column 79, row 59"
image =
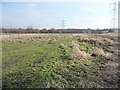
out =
column 52, row 30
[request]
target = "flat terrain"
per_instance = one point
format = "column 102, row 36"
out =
column 44, row 60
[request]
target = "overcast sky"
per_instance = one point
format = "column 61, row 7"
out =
column 82, row 14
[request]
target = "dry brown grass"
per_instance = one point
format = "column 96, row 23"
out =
column 97, row 52
column 73, row 44
column 84, row 37
column 109, row 55
column 76, row 52
column 100, row 52
column 97, row 39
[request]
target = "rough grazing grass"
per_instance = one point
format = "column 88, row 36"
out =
column 41, row 63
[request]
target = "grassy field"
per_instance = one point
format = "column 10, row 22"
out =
column 44, row 60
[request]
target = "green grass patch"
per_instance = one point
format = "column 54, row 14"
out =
column 40, row 64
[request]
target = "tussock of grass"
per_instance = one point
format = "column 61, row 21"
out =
column 97, row 52
column 76, row 52
column 73, row 44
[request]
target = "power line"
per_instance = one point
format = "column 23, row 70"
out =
column 114, row 14
column 119, row 15
column 63, row 24
column 113, row 10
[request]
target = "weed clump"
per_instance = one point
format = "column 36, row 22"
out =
column 73, row 44
column 97, row 52
column 109, row 56
column 76, row 52
column 61, row 46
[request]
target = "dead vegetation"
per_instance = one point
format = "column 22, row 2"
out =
column 97, row 39
column 76, row 52
column 108, row 43
column 73, row 44
column 97, row 52
column 79, row 54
